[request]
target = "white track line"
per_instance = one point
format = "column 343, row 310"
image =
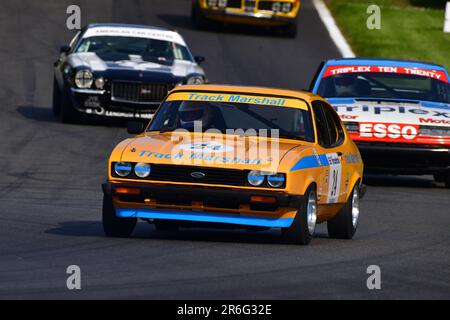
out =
column 333, row 29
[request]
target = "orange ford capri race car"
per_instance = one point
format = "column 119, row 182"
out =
column 252, row 158
column 271, row 13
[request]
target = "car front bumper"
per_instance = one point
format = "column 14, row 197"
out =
column 247, row 17
column 404, row 158
column 206, row 205
column 99, row 103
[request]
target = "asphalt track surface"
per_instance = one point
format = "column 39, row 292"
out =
column 50, row 195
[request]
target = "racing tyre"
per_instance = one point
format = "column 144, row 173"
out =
column 302, row 229
column 56, row 101
column 197, row 18
column 67, row 114
column 290, row 30
column 166, row 226
column 344, row 224
column 114, row 226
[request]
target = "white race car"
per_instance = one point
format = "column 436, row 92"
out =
column 397, row 112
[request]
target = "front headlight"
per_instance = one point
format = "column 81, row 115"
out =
column 195, row 80
column 351, row 126
column 123, row 169
column 276, row 180
column 255, row 178
column 286, row 7
column 99, row 83
column 434, row 131
column 276, row 6
column 142, row 170
column 84, row 79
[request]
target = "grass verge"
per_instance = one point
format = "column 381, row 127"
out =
column 407, row 31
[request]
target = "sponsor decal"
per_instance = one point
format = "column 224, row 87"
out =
column 348, row 117
column 204, row 157
column 136, row 33
column 388, row 131
column 238, row 98
column 429, row 73
column 351, row 158
column 334, row 184
column 99, row 111
column 207, row 147
column 434, row 121
column 386, row 110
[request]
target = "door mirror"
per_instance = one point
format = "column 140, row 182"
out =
column 135, row 127
column 64, row 49
column 199, row 59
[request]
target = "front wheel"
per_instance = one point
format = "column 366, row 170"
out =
column 67, row 113
column 290, row 30
column 344, row 224
column 443, row 177
column 56, row 101
column 113, row 225
column 302, row 229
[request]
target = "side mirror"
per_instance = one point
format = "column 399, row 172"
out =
column 64, row 49
column 135, row 127
column 199, row 59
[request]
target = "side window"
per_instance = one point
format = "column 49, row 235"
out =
column 321, row 124
column 335, row 129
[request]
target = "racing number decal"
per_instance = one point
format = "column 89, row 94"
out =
column 334, row 184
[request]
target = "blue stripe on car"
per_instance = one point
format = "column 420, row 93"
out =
column 198, row 216
column 309, row 162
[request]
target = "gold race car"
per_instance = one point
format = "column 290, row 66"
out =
column 242, row 157
column 271, row 13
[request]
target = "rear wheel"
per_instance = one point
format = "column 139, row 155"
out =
column 302, row 229
column 197, row 17
column 113, row 225
column 344, row 224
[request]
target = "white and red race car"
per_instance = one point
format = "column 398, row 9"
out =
column 397, row 112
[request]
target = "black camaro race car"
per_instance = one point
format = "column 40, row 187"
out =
column 116, row 70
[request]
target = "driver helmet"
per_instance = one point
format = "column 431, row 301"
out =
column 191, row 114
column 345, row 84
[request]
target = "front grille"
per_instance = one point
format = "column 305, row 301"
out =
column 135, row 92
column 265, row 5
column 212, row 175
column 249, row 5
column 234, row 3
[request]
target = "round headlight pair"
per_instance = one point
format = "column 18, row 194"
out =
column 84, row 79
column 195, row 80
column 257, row 178
column 124, row 169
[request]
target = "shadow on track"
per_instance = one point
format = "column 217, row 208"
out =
column 144, row 231
column 45, row 114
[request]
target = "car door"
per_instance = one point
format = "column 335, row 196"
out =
column 330, row 139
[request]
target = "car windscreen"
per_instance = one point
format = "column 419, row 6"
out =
column 252, row 119
column 385, row 85
column 110, row 48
